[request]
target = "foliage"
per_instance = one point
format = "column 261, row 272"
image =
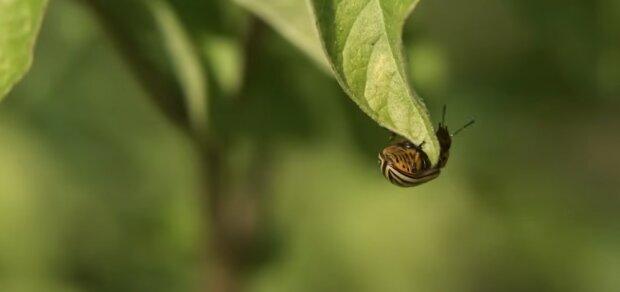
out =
column 294, row 20
column 363, row 42
column 19, row 25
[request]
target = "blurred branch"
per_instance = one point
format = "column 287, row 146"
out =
column 234, row 215
column 161, row 53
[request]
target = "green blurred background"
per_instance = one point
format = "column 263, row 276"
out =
column 99, row 191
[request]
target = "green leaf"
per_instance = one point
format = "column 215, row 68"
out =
column 363, row 41
column 186, row 63
column 218, row 29
column 224, row 54
column 20, row 21
column 159, row 42
column 134, row 30
column 293, row 19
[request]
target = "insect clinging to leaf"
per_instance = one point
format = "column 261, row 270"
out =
column 406, row 164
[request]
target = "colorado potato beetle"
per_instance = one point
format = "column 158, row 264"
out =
column 405, row 164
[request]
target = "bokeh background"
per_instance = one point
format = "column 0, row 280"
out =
column 99, row 191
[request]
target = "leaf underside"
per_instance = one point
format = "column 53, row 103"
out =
column 293, row 19
column 20, row 21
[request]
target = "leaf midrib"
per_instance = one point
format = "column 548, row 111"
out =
column 393, row 59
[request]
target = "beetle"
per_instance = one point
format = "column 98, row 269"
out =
column 406, row 164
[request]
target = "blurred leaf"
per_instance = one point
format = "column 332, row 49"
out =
column 293, row 19
column 20, row 21
column 225, row 57
column 171, row 43
column 135, row 32
column 218, row 28
column 364, row 45
column 186, row 63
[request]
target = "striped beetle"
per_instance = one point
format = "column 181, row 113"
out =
column 405, row 164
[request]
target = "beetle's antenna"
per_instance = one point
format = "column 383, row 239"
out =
column 463, row 127
column 443, row 115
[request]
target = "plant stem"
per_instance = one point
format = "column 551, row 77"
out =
column 229, row 236
column 223, row 274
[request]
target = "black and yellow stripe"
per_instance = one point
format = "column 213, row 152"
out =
column 403, row 178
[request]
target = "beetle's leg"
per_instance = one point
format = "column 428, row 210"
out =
column 409, row 144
